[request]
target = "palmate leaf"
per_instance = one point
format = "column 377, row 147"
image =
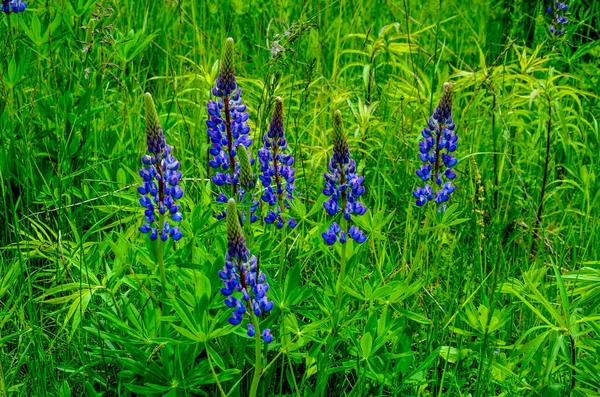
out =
column 529, row 294
column 586, row 283
column 80, row 301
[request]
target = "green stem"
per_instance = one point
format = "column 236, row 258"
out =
column 342, row 275
column 257, row 352
column 212, row 369
column 161, row 261
column 163, row 277
column 248, row 223
column 282, row 250
column 3, row 390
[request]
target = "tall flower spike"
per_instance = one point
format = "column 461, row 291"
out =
column 15, row 6
column 247, row 181
column 160, row 188
column 558, row 17
column 439, row 141
column 227, row 129
column 244, row 285
column 278, row 174
column 344, row 187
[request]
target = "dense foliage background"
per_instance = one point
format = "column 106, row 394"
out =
column 498, row 296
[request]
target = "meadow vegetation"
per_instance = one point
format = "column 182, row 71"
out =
column 495, row 292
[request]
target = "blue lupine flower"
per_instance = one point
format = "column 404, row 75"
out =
column 276, row 168
column 228, row 130
column 439, row 140
column 332, row 234
column 242, row 277
column 343, row 186
column 160, row 188
column 357, row 234
column 15, row 6
column 226, row 139
column 267, row 337
column 558, row 17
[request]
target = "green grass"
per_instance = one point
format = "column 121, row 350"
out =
column 499, row 295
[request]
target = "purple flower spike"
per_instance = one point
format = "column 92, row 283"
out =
column 558, row 17
column 277, row 171
column 228, row 131
column 439, row 140
column 343, row 186
column 160, row 174
column 244, row 285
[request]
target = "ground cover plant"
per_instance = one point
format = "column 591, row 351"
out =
column 299, row 198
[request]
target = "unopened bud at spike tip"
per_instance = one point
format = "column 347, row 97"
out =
column 226, row 84
column 341, row 151
column 276, row 127
column 246, row 175
column 233, row 222
column 444, row 109
column 150, row 112
column 154, row 133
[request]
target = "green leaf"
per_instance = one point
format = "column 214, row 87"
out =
column 365, row 344
column 452, row 354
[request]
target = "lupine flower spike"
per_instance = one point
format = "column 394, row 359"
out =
column 227, row 128
column 344, row 188
column 278, row 173
column 439, row 140
column 160, row 189
column 244, row 285
column 558, row 17
column 15, row 6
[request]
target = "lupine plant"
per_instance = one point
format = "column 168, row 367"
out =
column 160, row 189
column 558, row 17
column 244, row 286
column 15, row 6
column 439, row 141
column 278, row 173
column 344, row 187
column 159, row 192
column 227, row 129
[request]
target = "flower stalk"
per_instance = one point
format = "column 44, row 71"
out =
column 439, row 141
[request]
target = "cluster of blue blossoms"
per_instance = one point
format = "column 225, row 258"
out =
column 244, row 285
column 344, row 187
column 160, row 173
column 223, row 150
column 15, row 6
column 276, row 166
column 439, row 140
column 559, row 18
column 241, row 274
column 227, row 130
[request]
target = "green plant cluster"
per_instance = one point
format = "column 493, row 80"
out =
column 498, row 295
